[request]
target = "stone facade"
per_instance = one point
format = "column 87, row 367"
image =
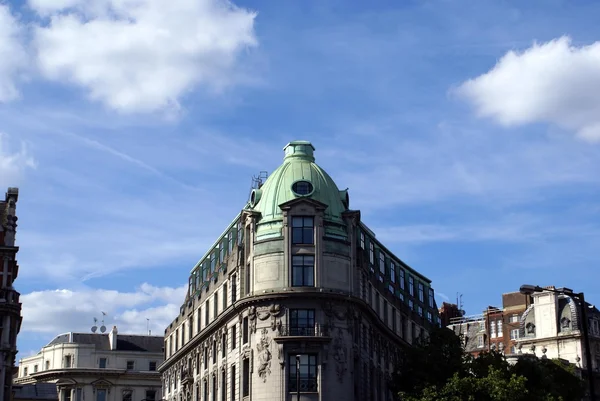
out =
column 10, row 307
column 98, row 367
column 551, row 328
column 295, row 275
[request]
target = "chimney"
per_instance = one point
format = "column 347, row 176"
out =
column 112, row 338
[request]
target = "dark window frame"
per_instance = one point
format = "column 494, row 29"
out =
column 303, row 271
column 303, row 230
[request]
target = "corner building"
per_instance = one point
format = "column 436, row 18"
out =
column 296, row 274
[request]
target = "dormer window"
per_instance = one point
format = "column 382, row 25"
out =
column 302, row 188
column 302, row 230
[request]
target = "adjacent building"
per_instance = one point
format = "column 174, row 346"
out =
column 551, row 327
column 297, row 296
column 10, row 307
column 98, row 367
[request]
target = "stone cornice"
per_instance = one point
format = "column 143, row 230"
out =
column 53, row 374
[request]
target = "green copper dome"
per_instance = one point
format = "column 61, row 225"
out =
column 298, row 177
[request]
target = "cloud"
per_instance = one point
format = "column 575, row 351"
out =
column 138, row 55
column 553, row 82
column 13, row 162
column 13, row 57
column 62, row 310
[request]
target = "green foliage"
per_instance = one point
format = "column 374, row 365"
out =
column 438, row 370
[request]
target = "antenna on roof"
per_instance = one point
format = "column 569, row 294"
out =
column 95, row 327
column 103, row 327
column 258, row 181
column 148, row 326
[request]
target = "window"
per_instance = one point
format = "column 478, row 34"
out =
column 205, row 397
column 190, row 329
column 213, row 261
column 421, row 293
column 67, row 394
column 385, row 312
column 150, row 395
column 230, row 242
column 382, row 263
column 302, row 230
column 102, row 363
column 430, row 298
column 79, row 396
column 392, row 272
column 176, row 339
column 130, row 365
column 411, row 286
column 514, row 334
column 429, row 316
column 246, row 378
column 214, row 352
column 223, row 384
column 240, row 234
column 303, row 270
column 152, row 366
column 221, row 253
column 199, row 317
column 215, row 304
column 35, row 368
column 394, row 322
column 233, row 377
column 224, row 345
column 377, row 303
column 47, row 365
column 245, row 330
column 410, row 304
column 420, row 310
column 307, row 373
column 233, row 288
column 402, row 279
column 67, row 361
column 514, row 318
column 302, row 188
column 302, row 322
column 480, row 341
column 205, row 358
column 214, row 388
column 371, row 253
column 25, row 371
column 493, row 330
column 500, row 332
column 206, row 313
column 362, row 240
column 127, row 395
column 101, row 394
column 233, row 336
column 224, row 296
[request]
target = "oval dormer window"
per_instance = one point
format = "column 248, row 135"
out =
column 302, row 188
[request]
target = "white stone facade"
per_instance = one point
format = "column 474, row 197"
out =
column 551, row 328
column 260, row 297
column 98, row 367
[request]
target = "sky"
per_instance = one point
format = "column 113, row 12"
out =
column 467, row 132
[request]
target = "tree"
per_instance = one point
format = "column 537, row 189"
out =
column 438, row 369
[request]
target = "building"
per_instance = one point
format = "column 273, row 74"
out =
column 514, row 305
column 35, row 392
column 98, row 367
column 10, row 307
column 296, row 296
column 448, row 312
column 473, row 332
column 551, row 328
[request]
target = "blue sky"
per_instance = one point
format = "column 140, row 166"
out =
column 468, row 134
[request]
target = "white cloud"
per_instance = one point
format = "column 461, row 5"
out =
column 62, row 310
column 138, row 55
column 13, row 162
column 553, row 82
column 13, row 57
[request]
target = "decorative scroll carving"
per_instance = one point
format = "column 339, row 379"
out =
column 263, row 313
column 340, row 355
column 264, row 355
column 281, row 355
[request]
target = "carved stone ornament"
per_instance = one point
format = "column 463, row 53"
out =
column 263, row 313
column 340, row 355
column 264, row 355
